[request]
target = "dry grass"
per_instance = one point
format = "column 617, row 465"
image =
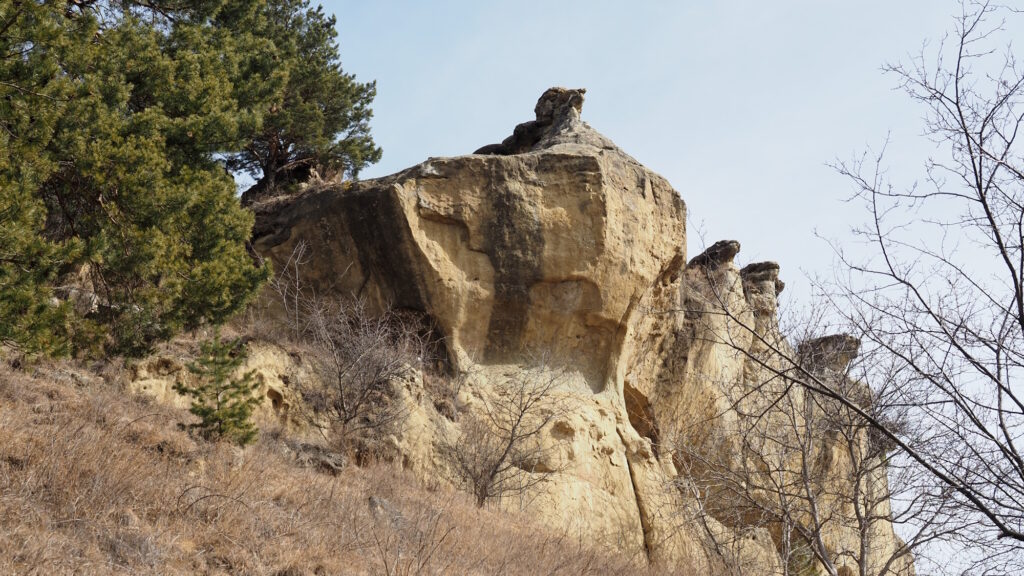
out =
column 94, row 481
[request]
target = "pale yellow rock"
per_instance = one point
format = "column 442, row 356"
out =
column 556, row 248
column 734, row 366
column 558, row 253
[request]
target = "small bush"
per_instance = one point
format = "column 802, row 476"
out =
column 224, row 403
column 359, row 355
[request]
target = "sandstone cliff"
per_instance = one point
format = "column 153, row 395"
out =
column 556, row 251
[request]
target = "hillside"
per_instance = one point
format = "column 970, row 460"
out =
column 556, row 260
column 95, row 480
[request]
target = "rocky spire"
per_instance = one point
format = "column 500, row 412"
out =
column 721, row 252
column 759, row 272
column 557, row 110
column 833, row 352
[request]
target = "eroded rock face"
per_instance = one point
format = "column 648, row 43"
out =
column 558, row 113
column 544, row 251
column 552, row 247
column 556, row 248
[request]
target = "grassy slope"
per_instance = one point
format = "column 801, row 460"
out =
column 94, row 481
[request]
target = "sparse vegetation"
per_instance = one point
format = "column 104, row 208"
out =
column 940, row 301
column 360, row 359
column 358, row 355
column 806, row 469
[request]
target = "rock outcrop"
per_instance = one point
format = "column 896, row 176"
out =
column 553, row 247
column 548, row 250
column 274, row 371
column 556, row 249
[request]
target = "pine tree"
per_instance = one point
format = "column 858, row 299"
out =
column 31, row 93
column 318, row 117
column 137, row 183
column 117, row 120
column 223, row 402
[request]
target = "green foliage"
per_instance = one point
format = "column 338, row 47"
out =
column 117, row 120
column 319, row 115
column 223, row 402
column 137, row 184
column 30, row 89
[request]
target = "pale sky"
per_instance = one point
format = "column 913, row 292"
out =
column 739, row 104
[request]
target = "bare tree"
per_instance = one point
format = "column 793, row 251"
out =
column 411, row 546
column 498, row 451
column 360, row 356
column 802, row 448
column 939, row 309
column 811, row 472
column 941, row 303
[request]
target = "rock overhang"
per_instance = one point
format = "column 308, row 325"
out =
column 545, row 242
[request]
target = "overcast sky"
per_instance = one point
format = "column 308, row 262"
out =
column 740, row 104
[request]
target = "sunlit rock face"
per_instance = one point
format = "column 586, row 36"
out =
column 555, row 248
column 545, row 245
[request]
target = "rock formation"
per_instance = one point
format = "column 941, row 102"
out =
column 556, row 249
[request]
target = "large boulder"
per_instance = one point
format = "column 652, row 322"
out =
column 545, row 251
column 553, row 247
column 556, row 249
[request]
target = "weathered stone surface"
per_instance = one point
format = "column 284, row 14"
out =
column 558, row 111
column 543, row 252
column 317, row 457
column 555, row 247
column 736, row 362
column 718, row 254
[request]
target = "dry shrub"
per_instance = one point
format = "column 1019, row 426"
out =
column 359, row 356
column 95, row 482
column 498, row 452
